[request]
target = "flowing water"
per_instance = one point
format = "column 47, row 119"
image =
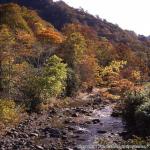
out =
column 107, row 129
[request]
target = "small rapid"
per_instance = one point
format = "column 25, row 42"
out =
column 108, row 129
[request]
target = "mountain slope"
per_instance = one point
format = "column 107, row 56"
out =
column 22, row 20
column 59, row 14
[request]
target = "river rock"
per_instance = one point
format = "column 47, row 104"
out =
column 116, row 113
column 87, row 122
column 70, row 128
column 52, row 112
column 34, row 134
column 64, row 137
column 39, row 147
column 54, row 133
column 75, row 136
column 67, row 121
column 95, row 121
column 97, row 101
column 124, row 133
column 76, row 148
column 75, row 115
column 101, row 131
column 67, row 148
column 23, row 135
column 79, row 132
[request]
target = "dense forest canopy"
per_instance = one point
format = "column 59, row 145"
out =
column 59, row 14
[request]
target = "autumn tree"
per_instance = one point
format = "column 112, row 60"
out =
column 48, row 34
column 6, row 57
column 80, row 46
column 49, row 81
column 89, row 34
column 73, row 49
column 89, row 70
column 54, row 76
column 111, row 72
column 106, row 52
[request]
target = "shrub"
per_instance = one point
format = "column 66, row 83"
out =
column 137, row 109
column 139, row 141
column 142, row 118
column 8, row 111
column 133, row 100
column 73, row 83
column 121, row 86
column 45, row 82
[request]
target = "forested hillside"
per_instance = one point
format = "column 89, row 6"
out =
column 59, row 14
column 58, row 65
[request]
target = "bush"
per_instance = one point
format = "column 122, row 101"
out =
column 139, row 141
column 121, row 86
column 142, row 118
column 133, row 100
column 73, row 83
column 8, row 111
column 137, row 110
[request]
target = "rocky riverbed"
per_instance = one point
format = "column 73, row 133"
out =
column 73, row 128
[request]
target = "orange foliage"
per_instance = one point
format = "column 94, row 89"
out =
column 89, row 71
column 87, row 32
column 25, row 37
column 50, row 34
column 122, row 85
column 26, row 52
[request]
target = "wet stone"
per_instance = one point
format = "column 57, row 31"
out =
column 55, row 133
column 34, row 134
column 75, row 115
column 79, row 132
column 115, row 114
column 101, row 131
column 95, row 121
column 39, row 147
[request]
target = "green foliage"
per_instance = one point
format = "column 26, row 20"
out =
column 142, row 118
column 139, row 141
column 73, row 49
column 73, row 83
column 54, row 76
column 137, row 110
column 46, row 82
column 106, row 53
column 133, row 100
column 8, row 111
column 6, row 53
column 111, row 73
column 14, row 17
column 18, row 44
column 142, row 114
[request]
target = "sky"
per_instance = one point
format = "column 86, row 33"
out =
column 132, row 15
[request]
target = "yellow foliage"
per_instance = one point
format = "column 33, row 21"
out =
column 113, row 68
column 8, row 111
column 111, row 73
column 135, row 75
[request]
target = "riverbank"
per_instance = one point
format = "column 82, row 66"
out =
column 76, row 127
